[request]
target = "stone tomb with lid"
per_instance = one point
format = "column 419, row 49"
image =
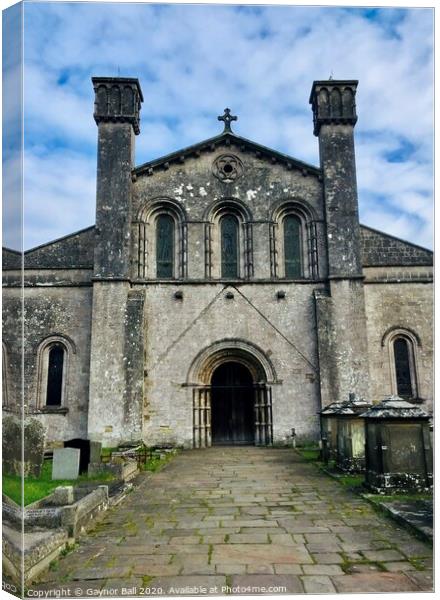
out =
column 343, row 433
column 350, row 434
column 328, row 418
column 398, row 446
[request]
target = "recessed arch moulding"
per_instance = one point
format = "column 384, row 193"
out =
column 243, row 352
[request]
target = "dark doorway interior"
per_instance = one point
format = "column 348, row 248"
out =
column 232, row 405
column 84, row 456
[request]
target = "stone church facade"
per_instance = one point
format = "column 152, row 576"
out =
column 225, row 294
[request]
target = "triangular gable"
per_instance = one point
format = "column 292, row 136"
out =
column 74, row 251
column 231, row 140
column 380, row 249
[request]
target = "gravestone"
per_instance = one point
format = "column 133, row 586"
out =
column 65, row 463
column 25, row 461
column 95, row 452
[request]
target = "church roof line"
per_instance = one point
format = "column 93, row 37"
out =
column 394, row 237
column 60, row 239
column 228, row 138
column 90, row 227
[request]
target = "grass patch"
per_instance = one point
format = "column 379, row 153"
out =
column 155, row 463
column 411, row 497
column 68, row 549
column 348, row 565
column 352, row 481
column 417, row 564
column 149, row 522
column 36, row 488
column 107, row 452
column 146, row 579
column 131, row 528
column 309, row 453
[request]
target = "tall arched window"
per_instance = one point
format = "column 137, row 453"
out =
column 402, row 345
column 55, row 372
column 292, row 247
column 5, row 395
column 54, row 357
column 402, row 363
column 165, row 246
column 229, row 246
column 294, row 240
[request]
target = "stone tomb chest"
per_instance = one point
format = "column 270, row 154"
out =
column 350, row 434
column 328, row 416
column 398, row 446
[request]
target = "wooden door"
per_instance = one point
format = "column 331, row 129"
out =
column 232, row 399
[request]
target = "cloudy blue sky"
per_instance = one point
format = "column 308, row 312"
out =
column 193, row 60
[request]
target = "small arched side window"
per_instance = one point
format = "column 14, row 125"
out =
column 404, row 371
column 165, row 246
column 292, row 247
column 54, row 356
column 229, row 236
column 5, row 394
column 402, row 345
column 55, row 373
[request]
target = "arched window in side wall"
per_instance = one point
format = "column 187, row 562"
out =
column 165, row 246
column 54, row 357
column 55, row 375
column 229, row 246
column 5, row 395
column 404, row 368
column 292, row 247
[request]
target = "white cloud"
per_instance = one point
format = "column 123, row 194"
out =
column 12, row 212
column 59, row 195
column 194, row 60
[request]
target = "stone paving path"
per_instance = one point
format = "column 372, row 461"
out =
column 243, row 520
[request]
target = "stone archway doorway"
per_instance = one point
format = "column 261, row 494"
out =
column 232, row 405
column 231, row 395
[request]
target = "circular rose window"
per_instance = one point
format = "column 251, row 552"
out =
column 227, row 167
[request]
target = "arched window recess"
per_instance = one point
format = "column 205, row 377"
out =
column 160, row 233
column 401, row 345
column 228, row 241
column 54, row 355
column 5, row 377
column 293, row 242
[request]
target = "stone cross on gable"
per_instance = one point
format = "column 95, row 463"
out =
column 227, row 118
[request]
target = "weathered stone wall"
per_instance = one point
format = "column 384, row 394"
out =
column 262, row 188
column 179, row 329
column 396, row 301
column 61, row 311
column 379, row 249
column 341, row 332
column 11, row 259
column 113, row 206
column 74, row 251
column 142, row 342
column 116, row 369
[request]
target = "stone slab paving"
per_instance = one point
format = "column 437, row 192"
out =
column 243, row 521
